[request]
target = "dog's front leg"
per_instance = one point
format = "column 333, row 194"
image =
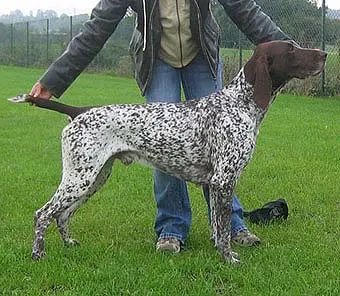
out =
column 221, row 210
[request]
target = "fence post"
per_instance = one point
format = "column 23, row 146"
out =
column 240, row 49
column 47, row 38
column 27, row 44
column 323, row 75
column 12, row 41
column 71, row 25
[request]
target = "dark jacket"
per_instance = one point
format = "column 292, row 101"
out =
column 146, row 37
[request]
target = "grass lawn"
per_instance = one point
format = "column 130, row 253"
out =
column 297, row 158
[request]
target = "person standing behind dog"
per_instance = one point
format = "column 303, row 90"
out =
column 175, row 45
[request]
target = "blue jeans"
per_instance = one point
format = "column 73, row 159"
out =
column 171, row 194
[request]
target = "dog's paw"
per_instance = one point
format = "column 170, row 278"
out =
column 38, row 255
column 71, row 242
column 232, row 257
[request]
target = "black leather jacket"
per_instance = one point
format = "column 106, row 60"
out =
column 145, row 41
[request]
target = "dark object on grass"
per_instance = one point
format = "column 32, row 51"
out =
column 271, row 211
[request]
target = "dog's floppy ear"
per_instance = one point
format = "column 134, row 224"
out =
column 263, row 82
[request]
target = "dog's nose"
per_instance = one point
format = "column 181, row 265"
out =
column 324, row 53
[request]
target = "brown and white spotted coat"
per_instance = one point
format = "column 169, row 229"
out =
column 205, row 141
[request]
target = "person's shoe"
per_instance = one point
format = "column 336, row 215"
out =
column 245, row 238
column 169, row 244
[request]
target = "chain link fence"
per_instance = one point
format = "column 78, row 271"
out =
column 37, row 43
column 313, row 27
column 310, row 23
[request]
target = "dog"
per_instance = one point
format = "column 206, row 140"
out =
column 204, row 141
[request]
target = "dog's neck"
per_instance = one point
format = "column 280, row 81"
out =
column 242, row 85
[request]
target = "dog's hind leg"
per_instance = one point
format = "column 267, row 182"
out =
column 64, row 198
column 63, row 219
column 221, row 210
column 73, row 191
column 42, row 219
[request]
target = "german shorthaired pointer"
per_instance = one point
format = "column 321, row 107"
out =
column 205, row 141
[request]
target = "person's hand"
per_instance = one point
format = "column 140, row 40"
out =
column 38, row 90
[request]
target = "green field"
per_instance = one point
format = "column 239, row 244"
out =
column 297, row 158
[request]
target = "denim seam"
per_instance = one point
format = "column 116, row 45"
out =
column 237, row 230
column 172, row 235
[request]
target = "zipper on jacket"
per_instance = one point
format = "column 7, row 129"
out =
column 200, row 25
column 218, row 40
column 145, row 25
column 152, row 48
column 179, row 33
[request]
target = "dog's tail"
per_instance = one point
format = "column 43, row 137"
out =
column 71, row 111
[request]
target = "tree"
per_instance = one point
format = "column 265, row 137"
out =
column 300, row 19
column 49, row 14
column 4, row 33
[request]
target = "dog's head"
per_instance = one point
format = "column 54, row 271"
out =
column 274, row 63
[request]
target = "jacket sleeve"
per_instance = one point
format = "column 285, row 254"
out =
column 252, row 21
column 85, row 46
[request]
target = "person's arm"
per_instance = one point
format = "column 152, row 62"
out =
column 252, row 21
column 82, row 48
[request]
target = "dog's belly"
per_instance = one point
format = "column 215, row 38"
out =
column 194, row 168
